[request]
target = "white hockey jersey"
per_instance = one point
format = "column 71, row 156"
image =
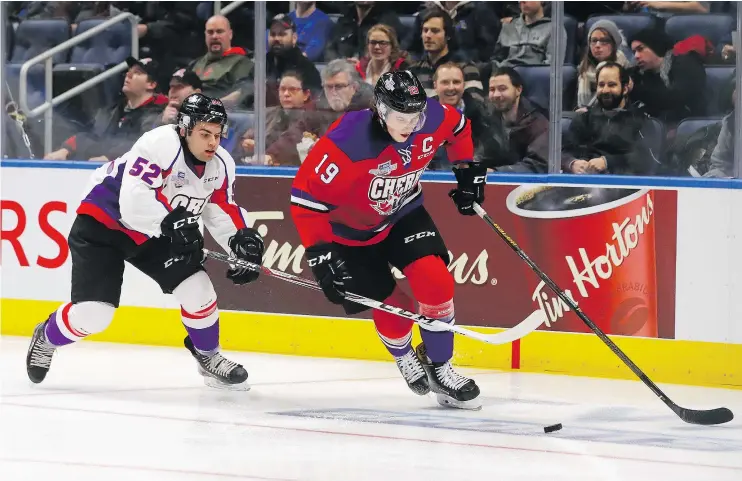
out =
column 135, row 192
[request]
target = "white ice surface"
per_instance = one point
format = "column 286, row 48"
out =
column 110, row 412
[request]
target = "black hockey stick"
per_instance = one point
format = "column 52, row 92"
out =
column 692, row 416
column 531, row 323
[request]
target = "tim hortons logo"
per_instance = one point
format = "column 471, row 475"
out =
column 288, row 258
column 588, row 272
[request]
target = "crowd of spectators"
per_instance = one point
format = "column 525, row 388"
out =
column 624, row 113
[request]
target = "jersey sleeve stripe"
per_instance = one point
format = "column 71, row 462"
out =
column 308, row 204
column 460, row 126
column 220, row 197
column 300, row 194
column 180, row 147
column 234, row 213
column 162, row 199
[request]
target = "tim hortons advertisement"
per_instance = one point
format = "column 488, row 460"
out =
column 612, row 250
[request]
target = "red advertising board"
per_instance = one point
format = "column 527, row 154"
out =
column 613, row 250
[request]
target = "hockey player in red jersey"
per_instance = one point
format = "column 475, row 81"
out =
column 144, row 208
column 357, row 203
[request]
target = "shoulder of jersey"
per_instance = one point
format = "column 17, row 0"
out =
column 163, row 136
column 224, row 154
column 434, row 114
column 353, row 136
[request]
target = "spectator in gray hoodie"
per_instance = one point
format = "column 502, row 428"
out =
column 526, row 40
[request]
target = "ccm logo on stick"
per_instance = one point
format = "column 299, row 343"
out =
column 419, row 235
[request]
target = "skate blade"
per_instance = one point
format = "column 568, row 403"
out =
column 449, row 402
column 216, row 384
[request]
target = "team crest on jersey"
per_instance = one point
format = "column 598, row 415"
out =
column 383, row 169
column 387, row 194
column 180, row 180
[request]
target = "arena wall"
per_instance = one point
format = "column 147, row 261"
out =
column 655, row 262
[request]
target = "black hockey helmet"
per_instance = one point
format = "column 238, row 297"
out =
column 201, row 108
column 402, row 92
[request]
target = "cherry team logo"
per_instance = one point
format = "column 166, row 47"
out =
column 387, row 194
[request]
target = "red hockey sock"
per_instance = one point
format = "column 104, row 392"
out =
column 433, row 286
column 394, row 331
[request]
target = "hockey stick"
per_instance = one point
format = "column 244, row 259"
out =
column 529, row 324
column 692, row 416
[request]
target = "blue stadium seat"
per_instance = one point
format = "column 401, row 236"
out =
column 408, row 23
column 570, row 25
column 239, row 122
column 9, row 41
column 629, row 24
column 690, row 125
column 713, row 26
column 655, row 138
column 565, row 123
column 536, row 84
column 205, row 10
column 37, row 36
column 35, row 83
column 110, row 46
column 717, row 85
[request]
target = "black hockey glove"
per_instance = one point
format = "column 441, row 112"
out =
column 330, row 271
column 186, row 241
column 247, row 244
column 470, row 189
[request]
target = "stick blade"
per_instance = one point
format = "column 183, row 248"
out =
column 705, row 418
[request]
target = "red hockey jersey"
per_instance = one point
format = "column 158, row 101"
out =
column 356, row 182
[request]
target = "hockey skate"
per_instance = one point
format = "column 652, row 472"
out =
column 218, row 371
column 39, row 357
column 414, row 373
column 451, row 389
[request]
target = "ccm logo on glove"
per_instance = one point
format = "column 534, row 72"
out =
column 315, row 261
column 179, row 224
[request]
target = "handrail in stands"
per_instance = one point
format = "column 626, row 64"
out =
column 218, row 10
column 49, row 103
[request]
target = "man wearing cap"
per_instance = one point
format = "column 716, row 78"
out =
column 284, row 55
column 182, row 84
column 671, row 87
column 115, row 130
column 226, row 71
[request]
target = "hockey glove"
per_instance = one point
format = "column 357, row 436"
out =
column 471, row 182
column 186, row 241
column 247, row 244
column 330, row 271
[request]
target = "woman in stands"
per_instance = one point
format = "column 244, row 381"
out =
column 605, row 41
column 383, row 54
column 284, row 125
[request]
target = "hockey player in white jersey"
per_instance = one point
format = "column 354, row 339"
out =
column 144, row 208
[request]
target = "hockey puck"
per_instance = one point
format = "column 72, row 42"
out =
column 552, row 428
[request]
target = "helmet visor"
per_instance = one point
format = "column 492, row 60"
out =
column 401, row 121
